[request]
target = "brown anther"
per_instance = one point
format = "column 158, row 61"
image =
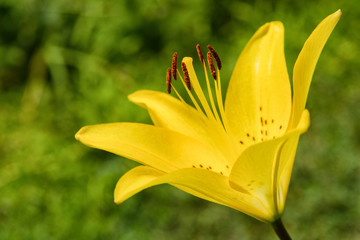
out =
column 248, row 135
column 174, row 64
column 260, row 108
column 201, row 166
column 265, row 122
column 227, row 166
column 241, row 142
column 186, row 75
column 221, row 173
column 266, row 133
column 168, row 80
column 211, row 64
column 201, row 56
column 280, row 127
column 272, row 120
column 210, row 167
column 254, row 138
column 216, row 56
column 193, row 166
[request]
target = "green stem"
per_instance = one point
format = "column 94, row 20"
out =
column 280, row 230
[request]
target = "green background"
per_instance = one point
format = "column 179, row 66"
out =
column 66, row 64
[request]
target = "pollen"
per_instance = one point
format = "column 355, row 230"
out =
column 211, row 64
column 201, row 56
column 186, row 75
column 215, row 55
column 168, row 80
column 174, row 64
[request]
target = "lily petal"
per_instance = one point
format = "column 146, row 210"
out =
column 306, row 62
column 140, row 178
column 205, row 184
column 157, row 147
column 258, row 98
column 261, row 166
column 168, row 112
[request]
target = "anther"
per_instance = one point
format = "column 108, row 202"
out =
column 216, row 56
column 241, row 142
column 211, row 64
column 186, row 75
column 174, row 64
column 280, row 127
column 201, row 56
column 168, row 80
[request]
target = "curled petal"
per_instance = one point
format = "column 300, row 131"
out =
column 264, row 167
column 206, row 184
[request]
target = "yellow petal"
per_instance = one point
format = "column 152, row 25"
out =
column 157, row 147
column 168, row 112
column 142, row 177
column 306, row 62
column 207, row 184
column 287, row 158
column 134, row 181
column 258, row 99
column 259, row 167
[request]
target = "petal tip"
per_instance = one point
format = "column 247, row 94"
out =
column 78, row 134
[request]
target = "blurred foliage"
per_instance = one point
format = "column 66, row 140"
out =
column 66, row 64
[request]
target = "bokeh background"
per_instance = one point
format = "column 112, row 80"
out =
column 65, row 64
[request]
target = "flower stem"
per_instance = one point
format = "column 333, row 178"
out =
column 280, row 230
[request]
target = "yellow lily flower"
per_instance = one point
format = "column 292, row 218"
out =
column 239, row 154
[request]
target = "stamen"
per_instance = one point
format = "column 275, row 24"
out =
column 211, row 64
column 186, row 75
column 168, row 80
column 216, row 56
column 174, row 64
column 201, row 56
